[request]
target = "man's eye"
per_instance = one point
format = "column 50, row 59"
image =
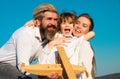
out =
column 56, row 19
column 49, row 18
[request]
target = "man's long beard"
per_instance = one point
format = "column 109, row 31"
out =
column 49, row 32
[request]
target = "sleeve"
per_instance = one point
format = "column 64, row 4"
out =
column 86, row 56
column 23, row 49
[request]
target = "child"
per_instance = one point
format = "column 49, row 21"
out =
column 67, row 22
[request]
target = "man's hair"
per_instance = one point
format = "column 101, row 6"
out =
column 39, row 11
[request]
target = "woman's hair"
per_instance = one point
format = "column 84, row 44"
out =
column 93, row 67
column 91, row 20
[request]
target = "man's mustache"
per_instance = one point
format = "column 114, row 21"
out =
column 52, row 26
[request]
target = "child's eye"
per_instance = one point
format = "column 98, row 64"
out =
column 71, row 22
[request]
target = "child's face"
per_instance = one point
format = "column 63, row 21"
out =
column 66, row 28
column 81, row 27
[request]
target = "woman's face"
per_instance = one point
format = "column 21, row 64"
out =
column 82, row 26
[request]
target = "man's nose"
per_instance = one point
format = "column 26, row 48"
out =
column 53, row 22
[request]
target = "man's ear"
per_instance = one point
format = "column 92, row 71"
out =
column 38, row 22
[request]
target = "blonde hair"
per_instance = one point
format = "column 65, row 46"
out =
column 39, row 11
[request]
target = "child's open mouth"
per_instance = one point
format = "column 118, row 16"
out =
column 67, row 30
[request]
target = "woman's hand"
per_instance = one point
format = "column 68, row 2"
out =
column 30, row 23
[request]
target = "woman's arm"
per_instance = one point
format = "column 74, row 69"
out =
column 30, row 23
column 89, row 35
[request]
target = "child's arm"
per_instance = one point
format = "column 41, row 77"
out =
column 89, row 35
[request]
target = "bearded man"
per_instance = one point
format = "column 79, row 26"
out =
column 26, row 44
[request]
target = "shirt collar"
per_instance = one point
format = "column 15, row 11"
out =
column 37, row 33
column 61, row 35
column 71, row 36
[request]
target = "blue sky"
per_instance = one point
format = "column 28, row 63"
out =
column 105, row 13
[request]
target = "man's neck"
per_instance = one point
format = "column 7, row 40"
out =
column 42, row 36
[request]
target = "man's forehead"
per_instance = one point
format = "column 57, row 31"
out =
column 51, row 14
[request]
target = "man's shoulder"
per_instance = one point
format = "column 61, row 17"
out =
column 23, row 30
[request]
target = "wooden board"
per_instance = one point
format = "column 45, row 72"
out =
column 67, row 67
column 64, row 69
column 42, row 69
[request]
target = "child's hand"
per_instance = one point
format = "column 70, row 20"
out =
column 59, row 41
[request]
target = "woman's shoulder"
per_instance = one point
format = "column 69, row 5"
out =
column 86, row 42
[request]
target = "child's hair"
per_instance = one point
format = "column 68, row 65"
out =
column 69, row 17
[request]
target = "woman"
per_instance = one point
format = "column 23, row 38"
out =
column 83, row 25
